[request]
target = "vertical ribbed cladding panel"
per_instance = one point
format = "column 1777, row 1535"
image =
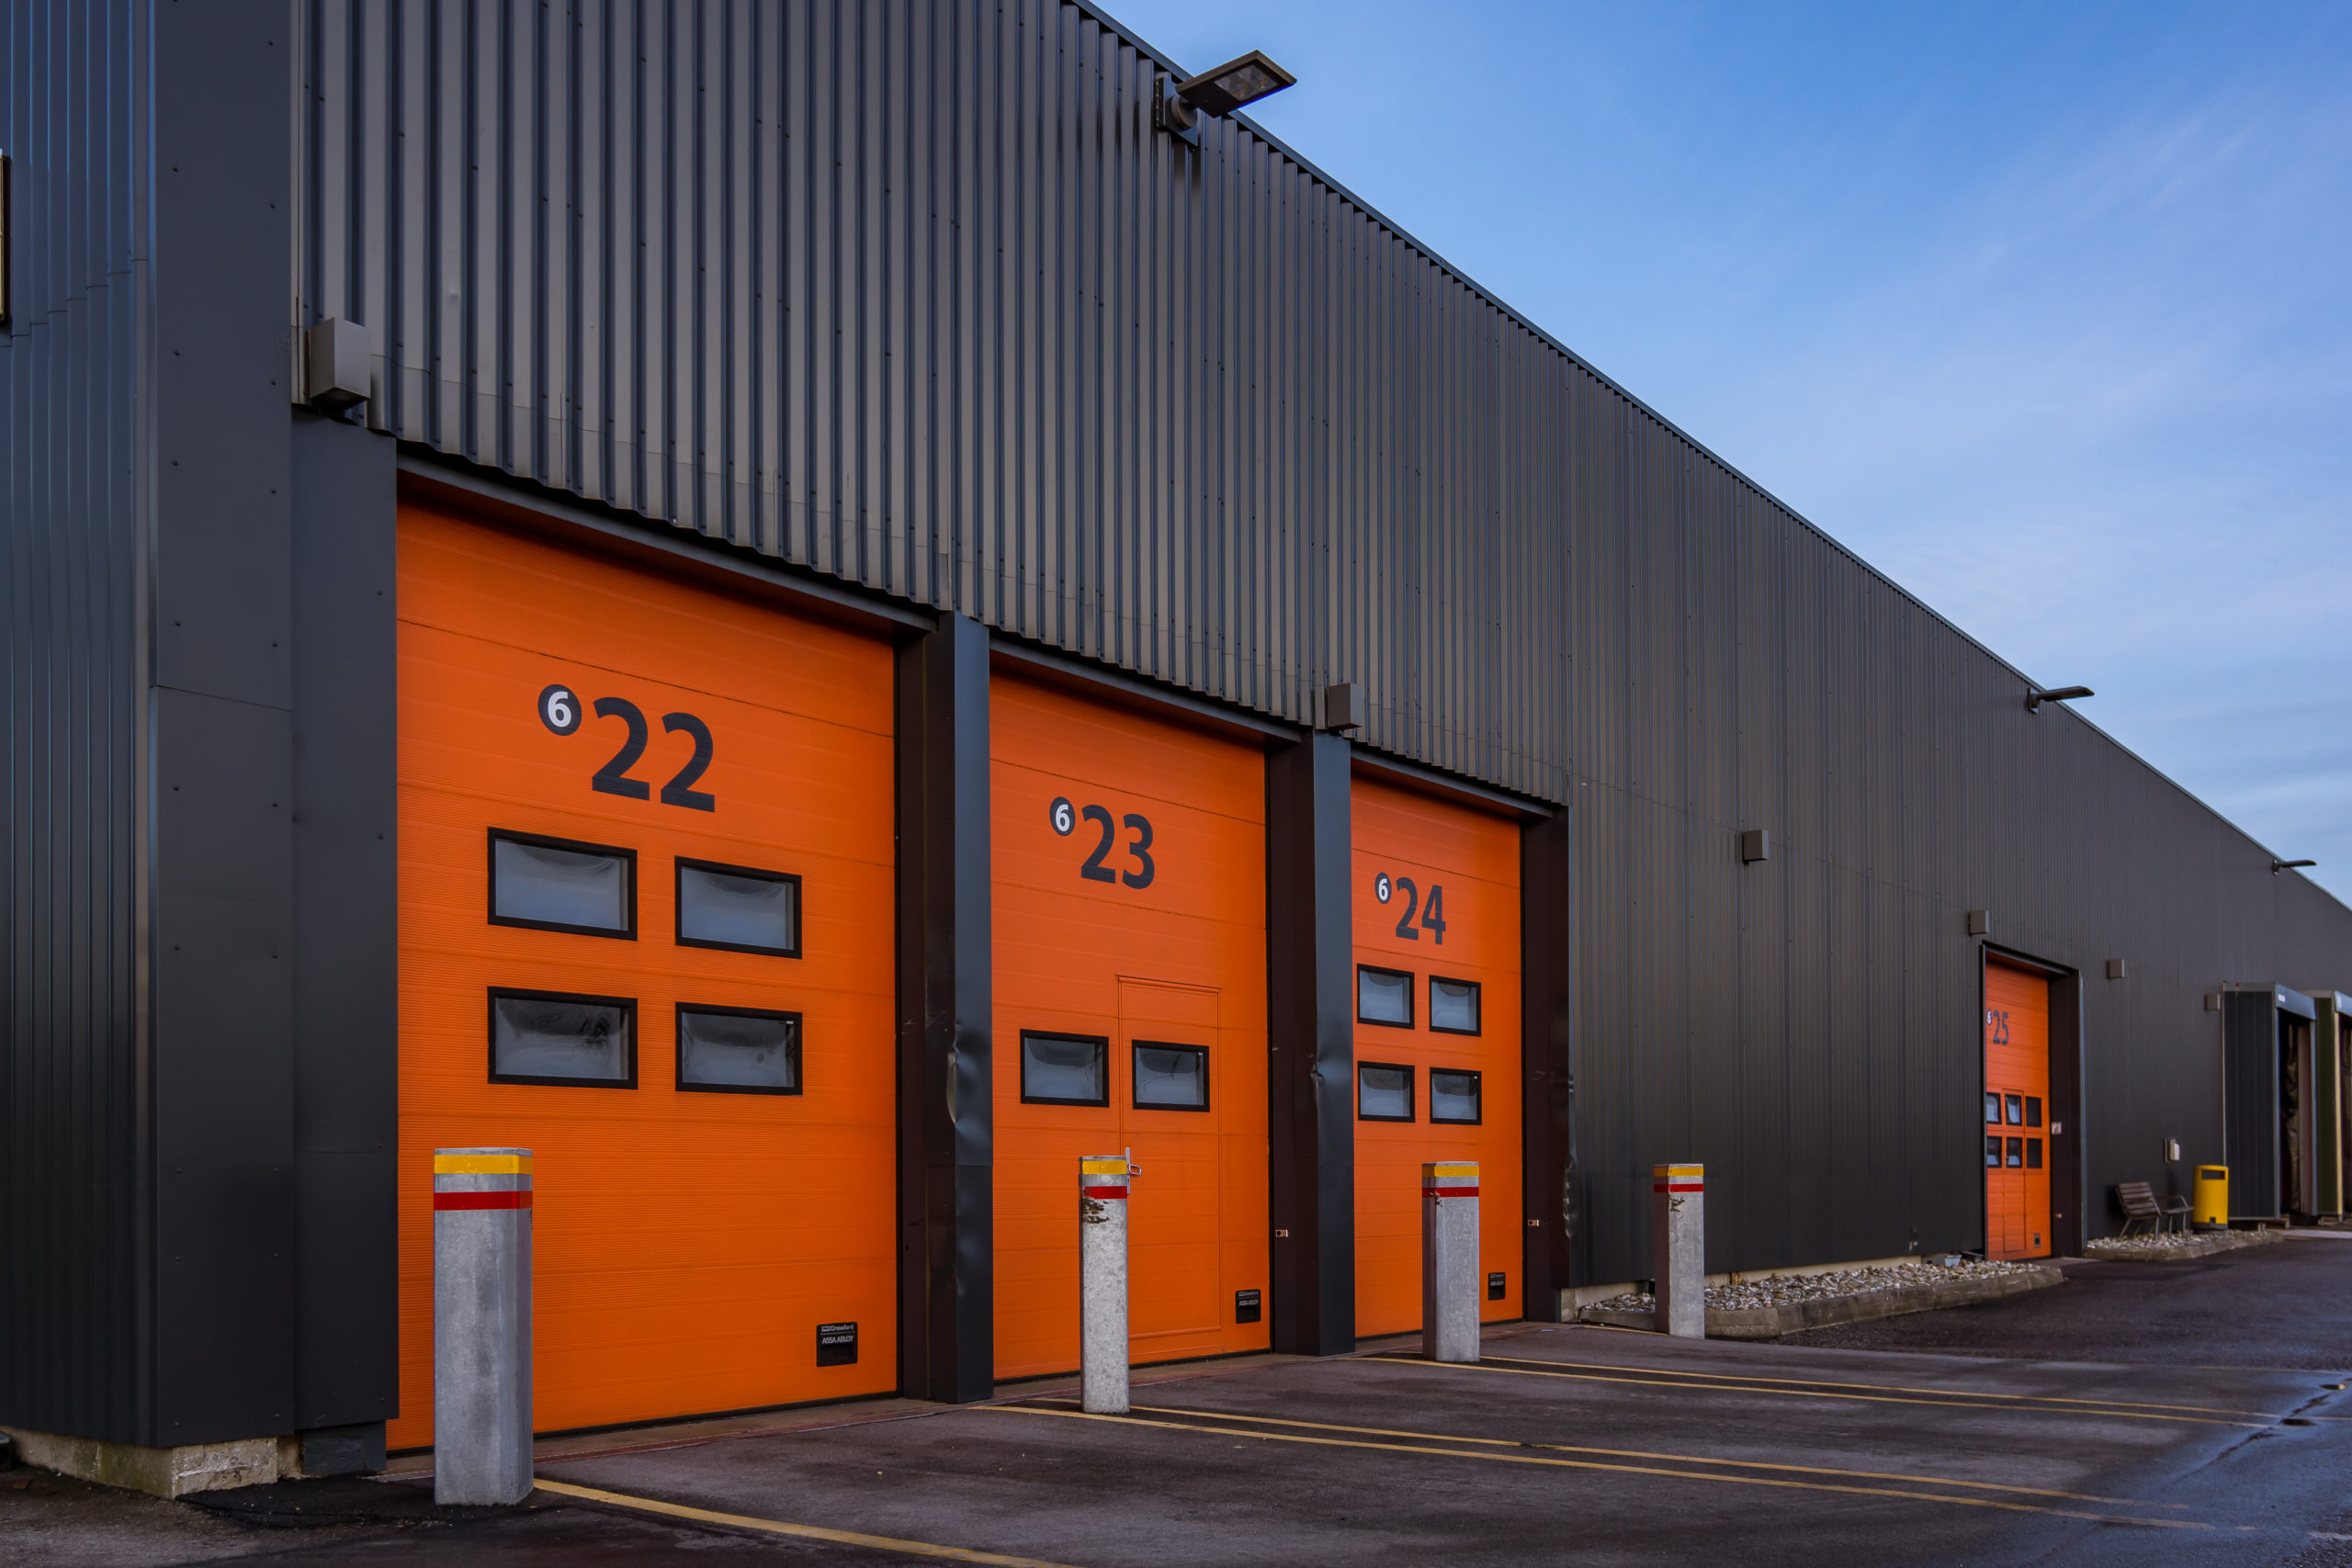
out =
column 74, row 1282
column 916, row 296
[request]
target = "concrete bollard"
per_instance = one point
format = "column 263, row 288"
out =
column 482, row 1325
column 1450, row 1262
column 1102, row 1285
column 1679, row 1200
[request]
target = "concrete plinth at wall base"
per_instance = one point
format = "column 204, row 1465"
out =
column 1770, row 1323
column 166, row 1472
column 205, row 1467
column 2205, row 1246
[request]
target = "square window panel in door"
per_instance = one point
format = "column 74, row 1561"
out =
column 1170, row 1077
column 738, row 1051
column 1453, row 1096
column 1065, row 1069
column 2033, row 1111
column 1384, row 1092
column 1992, row 1106
column 1383, row 997
column 554, row 1037
column 1453, row 1009
column 2016, row 1103
column 1992, row 1151
column 2034, row 1153
column 557, row 884
column 2017, row 1153
column 739, row 907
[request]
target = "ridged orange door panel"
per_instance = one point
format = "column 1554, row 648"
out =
column 1463, row 871
column 1179, row 961
column 687, row 1242
column 2017, row 1101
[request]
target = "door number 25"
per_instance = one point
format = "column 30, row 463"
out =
column 559, row 711
column 1065, row 819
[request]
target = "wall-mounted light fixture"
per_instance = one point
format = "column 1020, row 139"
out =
column 1228, row 87
column 2033, row 700
column 1343, row 706
column 335, row 363
column 1755, row 845
column 2279, row 865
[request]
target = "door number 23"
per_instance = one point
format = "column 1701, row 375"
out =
column 1065, row 818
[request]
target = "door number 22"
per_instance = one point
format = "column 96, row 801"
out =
column 559, row 711
column 1065, row 819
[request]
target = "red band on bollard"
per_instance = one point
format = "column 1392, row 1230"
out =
column 1449, row 1192
column 1679, row 1187
column 1103, row 1191
column 481, row 1200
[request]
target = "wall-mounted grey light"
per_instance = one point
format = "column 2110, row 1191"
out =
column 1343, row 706
column 335, row 354
column 2117, row 969
column 1221, row 91
column 1980, row 923
column 2033, row 700
column 2279, row 865
column 2212, row 1001
column 1754, row 845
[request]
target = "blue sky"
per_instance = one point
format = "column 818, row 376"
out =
column 2045, row 310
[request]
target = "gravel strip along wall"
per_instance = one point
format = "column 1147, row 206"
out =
column 1767, row 1308
column 2175, row 1247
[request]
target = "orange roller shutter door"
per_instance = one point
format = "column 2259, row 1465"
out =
column 1448, row 925
column 2017, row 1112
column 689, row 1240
column 1128, row 859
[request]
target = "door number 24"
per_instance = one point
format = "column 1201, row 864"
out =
column 1433, row 910
column 559, row 711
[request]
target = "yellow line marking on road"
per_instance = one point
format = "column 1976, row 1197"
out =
column 1890, row 1388
column 1679, row 1459
column 777, row 1527
column 1596, row 1464
column 1797, row 1393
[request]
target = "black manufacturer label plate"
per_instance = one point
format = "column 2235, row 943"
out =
column 837, row 1343
column 1496, row 1289
column 1245, row 1306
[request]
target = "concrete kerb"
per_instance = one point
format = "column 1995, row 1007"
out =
column 1770, row 1323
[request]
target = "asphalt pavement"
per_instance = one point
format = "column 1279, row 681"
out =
column 2141, row 1413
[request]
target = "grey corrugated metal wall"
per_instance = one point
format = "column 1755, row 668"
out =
column 73, row 1293
column 913, row 294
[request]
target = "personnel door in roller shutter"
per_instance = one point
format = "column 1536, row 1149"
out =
column 1128, row 858
column 2016, row 1112
column 1436, row 911
column 646, row 931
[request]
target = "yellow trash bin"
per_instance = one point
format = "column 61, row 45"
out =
column 2209, row 1209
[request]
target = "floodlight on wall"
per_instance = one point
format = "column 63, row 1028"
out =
column 2033, row 700
column 2279, row 865
column 1231, row 86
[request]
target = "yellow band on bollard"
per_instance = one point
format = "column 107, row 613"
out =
column 1114, row 1166
column 481, row 1165
column 1675, row 1172
column 1451, row 1172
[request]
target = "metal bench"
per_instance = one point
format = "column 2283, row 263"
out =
column 2142, row 1207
